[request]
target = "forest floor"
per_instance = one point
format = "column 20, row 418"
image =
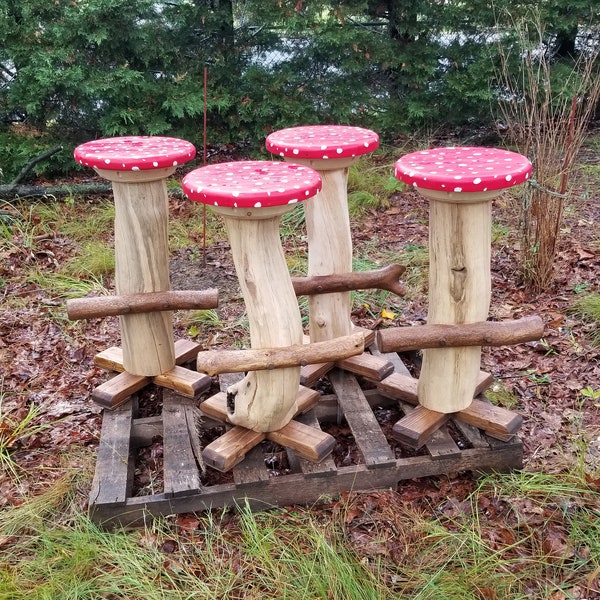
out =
column 47, row 361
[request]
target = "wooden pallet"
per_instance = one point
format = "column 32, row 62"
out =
column 455, row 447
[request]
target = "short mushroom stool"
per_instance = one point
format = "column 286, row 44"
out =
column 251, row 196
column 460, row 183
column 138, row 166
column 330, row 150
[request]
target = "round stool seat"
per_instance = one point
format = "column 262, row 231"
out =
column 463, row 169
column 251, row 184
column 134, row 153
column 322, row 142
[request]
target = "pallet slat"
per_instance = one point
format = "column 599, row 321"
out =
column 181, row 474
column 367, row 433
column 114, row 465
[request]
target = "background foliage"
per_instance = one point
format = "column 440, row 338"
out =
column 72, row 70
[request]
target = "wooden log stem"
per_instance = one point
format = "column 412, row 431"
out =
column 108, row 306
column 214, row 362
column 386, row 278
column 485, row 333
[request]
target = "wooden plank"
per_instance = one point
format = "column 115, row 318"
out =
column 113, row 477
column 252, row 469
column 416, row 427
column 183, row 381
column 404, row 387
column 186, row 351
column 367, row 365
column 181, row 475
column 111, row 359
column 494, row 420
column 308, row 442
column 472, row 434
column 118, row 389
column 324, row 468
column 231, row 448
column 310, row 374
column 367, row 432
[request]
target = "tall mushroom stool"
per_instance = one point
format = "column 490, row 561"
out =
column 251, row 196
column 460, row 183
column 137, row 167
column 331, row 150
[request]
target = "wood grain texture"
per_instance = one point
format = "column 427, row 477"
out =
column 108, row 306
column 141, row 266
column 459, row 292
column 485, row 333
column 329, row 253
column 214, row 362
column 265, row 400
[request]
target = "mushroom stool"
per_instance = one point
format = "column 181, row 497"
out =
column 138, row 166
column 460, row 183
column 330, row 150
column 251, row 196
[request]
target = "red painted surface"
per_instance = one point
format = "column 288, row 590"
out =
column 322, row 141
column 134, row 153
column 251, row 184
column 463, row 169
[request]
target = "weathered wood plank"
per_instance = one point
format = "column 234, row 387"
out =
column 367, row 432
column 299, row 489
column 252, row 469
column 181, row 475
column 114, row 464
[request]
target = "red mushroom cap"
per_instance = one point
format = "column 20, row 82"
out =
column 134, row 153
column 322, row 141
column 463, row 169
column 251, row 184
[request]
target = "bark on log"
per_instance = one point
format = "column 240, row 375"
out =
column 214, row 362
column 11, row 191
column 386, row 278
column 485, row 333
column 109, row 306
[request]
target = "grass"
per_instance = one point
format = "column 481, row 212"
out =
column 587, row 307
column 13, row 429
column 522, row 535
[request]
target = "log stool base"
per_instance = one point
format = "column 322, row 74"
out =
column 481, row 438
column 118, row 389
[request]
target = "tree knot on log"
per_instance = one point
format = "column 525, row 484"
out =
column 231, row 394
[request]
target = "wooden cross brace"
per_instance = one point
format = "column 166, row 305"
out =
column 230, row 449
column 118, row 389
